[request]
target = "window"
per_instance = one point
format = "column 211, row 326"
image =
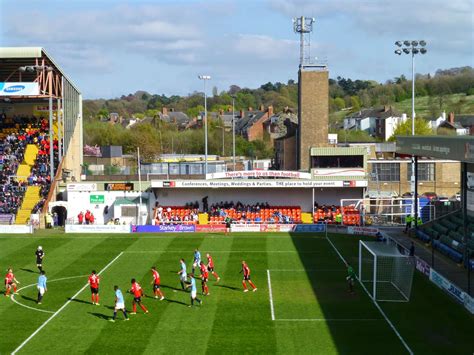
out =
column 337, row 161
column 129, row 211
column 385, row 172
column 426, row 171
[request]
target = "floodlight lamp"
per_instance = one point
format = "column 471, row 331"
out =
column 398, row 43
column 422, row 43
column 423, row 50
column 406, row 50
column 22, row 69
column 415, row 50
column 414, row 43
column 398, row 51
column 406, row 43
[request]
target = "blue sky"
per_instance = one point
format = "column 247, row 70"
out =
column 110, row 48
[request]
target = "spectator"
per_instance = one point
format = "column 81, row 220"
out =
column 80, row 217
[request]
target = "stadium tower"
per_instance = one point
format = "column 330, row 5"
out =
column 40, row 104
column 313, row 96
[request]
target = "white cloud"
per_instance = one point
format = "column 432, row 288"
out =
column 446, row 25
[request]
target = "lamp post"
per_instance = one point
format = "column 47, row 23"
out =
column 205, row 78
column 223, row 139
column 233, row 130
column 412, row 47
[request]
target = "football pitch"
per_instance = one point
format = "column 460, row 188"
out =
column 301, row 305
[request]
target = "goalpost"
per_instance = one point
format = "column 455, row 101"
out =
column 386, row 273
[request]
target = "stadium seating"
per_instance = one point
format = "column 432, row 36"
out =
column 24, row 166
column 350, row 215
column 446, row 236
column 175, row 214
column 270, row 214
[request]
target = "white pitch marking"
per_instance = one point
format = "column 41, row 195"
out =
column 62, row 307
column 224, row 251
column 376, row 304
column 330, row 320
column 28, row 286
column 271, row 296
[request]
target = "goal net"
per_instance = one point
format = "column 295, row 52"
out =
column 386, row 273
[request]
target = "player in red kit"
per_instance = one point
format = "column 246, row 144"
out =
column 156, row 284
column 137, row 292
column 94, row 281
column 10, row 281
column 210, row 267
column 246, row 271
column 204, row 279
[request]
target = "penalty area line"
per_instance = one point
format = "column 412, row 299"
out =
column 62, row 307
column 272, row 310
column 375, row 303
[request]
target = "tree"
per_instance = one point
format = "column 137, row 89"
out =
column 339, row 102
column 355, row 103
column 404, row 129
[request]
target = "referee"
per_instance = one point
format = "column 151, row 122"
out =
column 39, row 258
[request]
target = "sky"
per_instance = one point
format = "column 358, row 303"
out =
column 113, row 48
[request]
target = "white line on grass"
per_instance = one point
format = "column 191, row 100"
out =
column 307, row 270
column 60, row 309
column 329, row 320
column 28, row 286
column 375, row 303
column 271, row 295
column 224, row 251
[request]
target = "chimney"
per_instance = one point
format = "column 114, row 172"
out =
column 270, row 111
column 262, row 107
column 443, row 115
column 386, row 108
column 451, row 117
column 242, row 113
column 164, row 111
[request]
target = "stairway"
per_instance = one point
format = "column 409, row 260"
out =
column 306, row 218
column 32, row 197
column 24, row 170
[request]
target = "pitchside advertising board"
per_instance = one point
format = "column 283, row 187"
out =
column 15, row 229
column 19, row 89
column 447, row 286
column 97, row 228
column 362, row 230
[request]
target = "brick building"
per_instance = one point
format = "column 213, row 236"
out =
column 313, row 113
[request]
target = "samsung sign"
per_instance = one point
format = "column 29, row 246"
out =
column 19, row 89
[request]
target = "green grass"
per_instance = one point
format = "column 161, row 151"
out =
column 314, row 313
column 422, row 105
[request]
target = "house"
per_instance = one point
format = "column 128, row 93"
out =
column 434, row 124
column 250, row 124
column 455, row 126
column 380, row 122
column 180, row 119
column 467, row 121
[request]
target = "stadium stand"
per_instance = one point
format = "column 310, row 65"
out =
column 258, row 213
column 175, row 214
column 446, row 236
column 348, row 215
column 24, row 167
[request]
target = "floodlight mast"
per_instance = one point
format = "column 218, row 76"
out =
column 303, row 26
column 413, row 48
